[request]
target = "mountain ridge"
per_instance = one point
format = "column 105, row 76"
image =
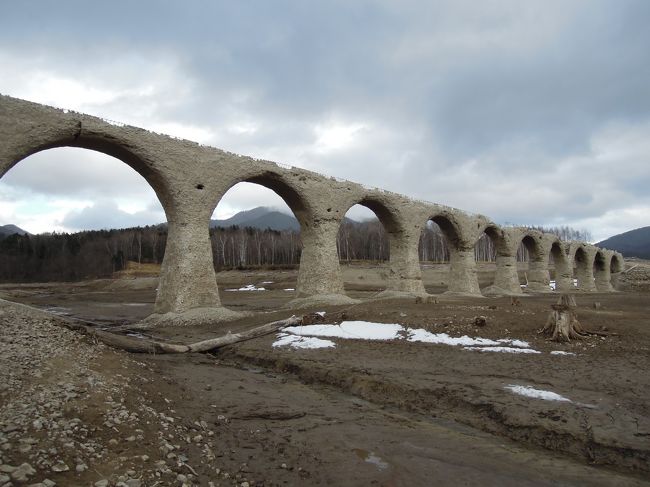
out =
column 10, row 229
column 633, row 243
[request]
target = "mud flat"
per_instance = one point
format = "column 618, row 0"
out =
column 387, row 410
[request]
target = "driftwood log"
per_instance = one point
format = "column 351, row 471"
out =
column 148, row 345
column 562, row 324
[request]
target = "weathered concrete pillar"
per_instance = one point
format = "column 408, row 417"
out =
column 585, row 270
column 604, row 280
column 539, row 277
column 563, row 276
column 462, row 271
column 603, row 271
column 507, row 277
column 405, row 274
column 320, row 272
column 187, row 278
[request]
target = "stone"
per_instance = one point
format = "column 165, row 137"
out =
column 23, row 472
column 60, row 467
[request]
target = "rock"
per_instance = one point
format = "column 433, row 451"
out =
column 133, row 483
column 480, row 321
column 49, row 483
column 101, row 483
column 23, row 472
column 60, row 467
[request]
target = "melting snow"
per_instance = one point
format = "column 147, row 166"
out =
column 320, row 313
column 503, row 349
column 295, row 341
column 536, row 393
column 289, row 289
column 350, row 329
column 267, row 282
column 420, row 335
column 365, row 330
column 561, row 352
column 249, row 287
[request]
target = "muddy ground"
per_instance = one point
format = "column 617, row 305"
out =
column 363, row 413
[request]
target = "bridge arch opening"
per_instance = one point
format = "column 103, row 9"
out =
column 90, row 216
column 559, row 271
column 487, row 247
column 582, row 268
column 615, row 265
column 256, row 227
column 600, row 264
column 364, row 246
column 527, row 251
column 438, row 239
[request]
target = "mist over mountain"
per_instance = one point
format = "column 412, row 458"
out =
column 635, row 243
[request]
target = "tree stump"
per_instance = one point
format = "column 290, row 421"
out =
column 562, row 324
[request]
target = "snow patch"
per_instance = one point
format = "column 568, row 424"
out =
column 267, row 282
column 289, row 289
column 363, row 330
column 503, row 349
column 320, row 313
column 561, row 352
column 420, row 335
column 249, row 287
column 295, row 341
column 536, row 393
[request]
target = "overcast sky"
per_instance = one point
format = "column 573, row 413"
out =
column 531, row 112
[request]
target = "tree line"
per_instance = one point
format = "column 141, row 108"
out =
column 99, row 254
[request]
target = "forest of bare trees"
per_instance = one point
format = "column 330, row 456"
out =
column 97, row 254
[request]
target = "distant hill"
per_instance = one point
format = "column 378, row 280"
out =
column 6, row 230
column 635, row 243
column 260, row 217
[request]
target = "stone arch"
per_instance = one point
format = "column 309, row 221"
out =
column 601, row 270
column 460, row 238
column 403, row 267
column 506, row 275
column 563, row 273
column 42, row 138
column 34, row 142
column 280, row 185
column 583, row 260
column 615, row 264
column 493, row 261
column 295, row 199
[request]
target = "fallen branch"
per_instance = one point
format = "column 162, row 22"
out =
column 146, row 345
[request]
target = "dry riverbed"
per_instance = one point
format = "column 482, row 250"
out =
column 389, row 411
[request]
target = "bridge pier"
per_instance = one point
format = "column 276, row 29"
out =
column 507, row 277
column 187, row 278
column 539, row 277
column 405, row 273
column 320, row 272
column 462, row 273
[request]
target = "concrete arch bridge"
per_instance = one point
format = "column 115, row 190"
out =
column 190, row 179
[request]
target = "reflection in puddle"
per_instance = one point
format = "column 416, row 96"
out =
column 370, row 457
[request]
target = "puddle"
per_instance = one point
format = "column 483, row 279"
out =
column 59, row 310
column 370, row 457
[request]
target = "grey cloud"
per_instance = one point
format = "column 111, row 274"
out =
column 106, row 214
column 481, row 106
